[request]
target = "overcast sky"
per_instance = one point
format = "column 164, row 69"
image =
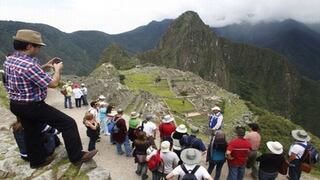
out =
column 116, row 16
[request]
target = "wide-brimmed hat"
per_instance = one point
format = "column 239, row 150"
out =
column 119, row 111
column 194, row 130
column 215, row 108
column 112, row 113
column 167, row 119
column 30, row 36
column 182, row 128
column 190, row 156
column 134, row 114
column 102, row 97
column 83, row 84
column 165, row 146
column 149, row 117
column 275, row 147
column 300, row 135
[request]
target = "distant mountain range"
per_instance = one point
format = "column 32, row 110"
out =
column 296, row 41
column 81, row 50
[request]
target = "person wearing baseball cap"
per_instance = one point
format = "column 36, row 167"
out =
column 27, row 91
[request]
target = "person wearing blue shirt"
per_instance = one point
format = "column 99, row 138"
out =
column 191, row 141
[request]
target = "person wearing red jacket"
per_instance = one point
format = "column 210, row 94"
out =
column 166, row 128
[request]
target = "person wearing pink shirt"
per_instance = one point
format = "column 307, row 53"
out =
column 254, row 138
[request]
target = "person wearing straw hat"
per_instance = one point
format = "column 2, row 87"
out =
column 270, row 162
column 176, row 136
column 216, row 119
column 296, row 151
column 67, row 96
column 166, row 128
column 133, row 125
column 191, row 158
column 169, row 161
column 27, row 88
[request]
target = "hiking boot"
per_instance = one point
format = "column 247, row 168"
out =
column 47, row 161
column 86, row 157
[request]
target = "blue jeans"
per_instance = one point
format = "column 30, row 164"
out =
column 219, row 164
column 236, row 172
column 84, row 99
column 267, row 176
column 127, row 147
column 67, row 101
column 294, row 170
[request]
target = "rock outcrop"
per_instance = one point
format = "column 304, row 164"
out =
column 13, row 167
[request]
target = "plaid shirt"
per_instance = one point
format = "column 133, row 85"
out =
column 25, row 80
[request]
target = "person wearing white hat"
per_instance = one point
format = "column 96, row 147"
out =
column 296, row 151
column 170, row 160
column 270, row 162
column 102, row 111
column 215, row 119
column 84, row 90
column 166, row 128
column 176, row 136
column 191, row 158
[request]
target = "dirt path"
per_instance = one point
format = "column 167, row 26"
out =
column 120, row 167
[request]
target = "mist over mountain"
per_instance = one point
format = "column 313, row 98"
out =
column 296, row 41
column 258, row 75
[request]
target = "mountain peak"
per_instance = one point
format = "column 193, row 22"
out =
column 190, row 17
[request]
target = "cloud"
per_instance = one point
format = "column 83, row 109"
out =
column 115, row 16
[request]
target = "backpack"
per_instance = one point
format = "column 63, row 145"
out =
column 63, row 91
column 311, row 154
column 154, row 162
column 112, row 126
column 189, row 175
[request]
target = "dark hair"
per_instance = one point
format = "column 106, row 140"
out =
column 17, row 126
column 93, row 103
column 240, row 131
column 109, row 109
column 20, row 45
column 254, row 126
column 220, row 142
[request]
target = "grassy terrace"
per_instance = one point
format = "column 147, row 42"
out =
column 146, row 82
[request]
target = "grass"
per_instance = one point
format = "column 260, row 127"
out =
column 146, row 82
column 277, row 128
column 4, row 100
column 177, row 105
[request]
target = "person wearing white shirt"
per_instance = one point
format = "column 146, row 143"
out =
column 191, row 158
column 84, row 96
column 149, row 128
column 77, row 95
column 216, row 119
column 296, row 151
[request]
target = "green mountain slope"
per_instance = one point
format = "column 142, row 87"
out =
column 259, row 75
